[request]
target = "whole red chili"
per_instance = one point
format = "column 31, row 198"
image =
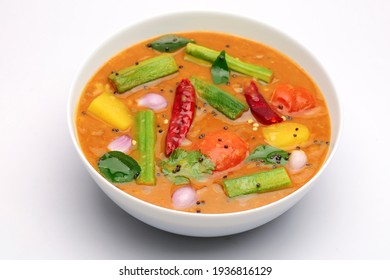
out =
column 183, row 112
column 259, row 107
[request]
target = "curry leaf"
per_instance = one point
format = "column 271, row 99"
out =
column 183, row 166
column 220, row 69
column 269, row 155
column 117, row 167
column 169, row 43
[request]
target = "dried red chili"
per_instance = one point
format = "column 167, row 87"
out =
column 183, row 112
column 259, row 106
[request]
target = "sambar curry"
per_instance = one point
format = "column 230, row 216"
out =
column 203, row 122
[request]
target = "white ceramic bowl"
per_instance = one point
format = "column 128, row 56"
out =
column 194, row 224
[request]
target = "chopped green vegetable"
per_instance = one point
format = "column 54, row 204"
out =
column 223, row 101
column 183, row 166
column 219, row 70
column 196, row 60
column 234, row 64
column 269, row 155
column 146, row 140
column 169, row 43
column 143, row 72
column 271, row 180
column 117, row 167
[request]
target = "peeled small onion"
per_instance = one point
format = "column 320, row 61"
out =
column 185, row 142
column 184, row 197
column 297, row 160
column 122, row 144
column 153, row 101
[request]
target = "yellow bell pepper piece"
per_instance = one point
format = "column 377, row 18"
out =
column 286, row 134
column 111, row 110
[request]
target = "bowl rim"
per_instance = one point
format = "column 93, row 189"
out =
column 71, row 111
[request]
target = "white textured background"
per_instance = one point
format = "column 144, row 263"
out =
column 51, row 209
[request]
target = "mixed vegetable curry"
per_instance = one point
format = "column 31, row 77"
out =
column 203, row 122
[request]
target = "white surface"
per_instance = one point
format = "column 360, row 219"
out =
column 51, row 209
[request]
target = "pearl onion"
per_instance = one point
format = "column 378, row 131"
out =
column 184, row 197
column 297, row 160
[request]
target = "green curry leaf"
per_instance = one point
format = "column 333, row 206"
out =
column 269, row 155
column 183, row 166
column 220, row 70
column 117, row 167
column 169, row 43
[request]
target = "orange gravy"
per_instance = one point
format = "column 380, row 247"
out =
column 94, row 135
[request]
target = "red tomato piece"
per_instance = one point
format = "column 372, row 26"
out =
column 225, row 149
column 290, row 99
